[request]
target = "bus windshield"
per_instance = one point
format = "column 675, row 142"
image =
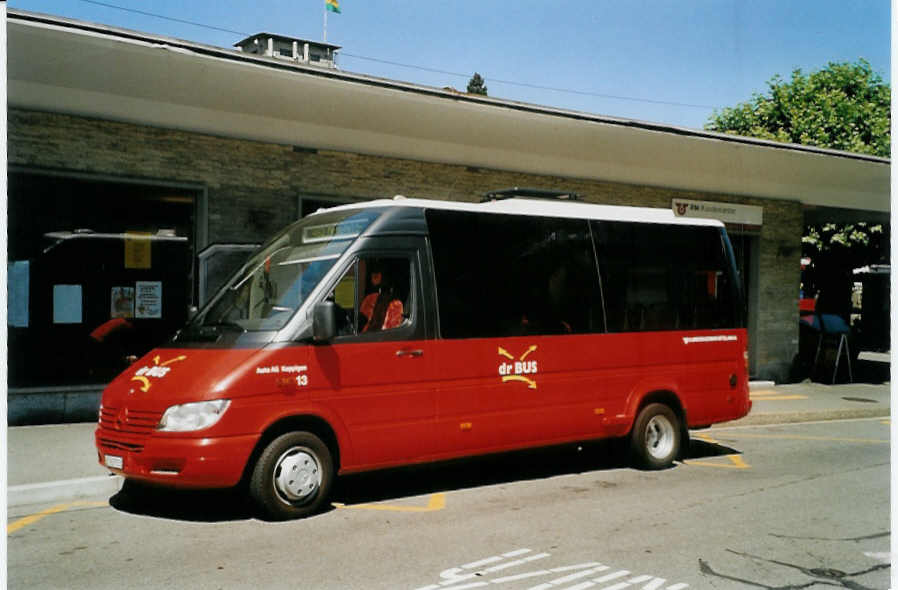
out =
column 274, row 283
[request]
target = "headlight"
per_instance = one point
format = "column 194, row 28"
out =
column 193, row 416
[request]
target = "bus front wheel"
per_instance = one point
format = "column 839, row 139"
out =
column 656, row 437
column 292, row 477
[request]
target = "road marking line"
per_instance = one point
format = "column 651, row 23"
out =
column 517, row 577
column 614, row 576
column 571, row 578
column 486, row 561
column 436, row 502
column 33, row 518
column 736, row 462
column 463, row 578
column 516, row 553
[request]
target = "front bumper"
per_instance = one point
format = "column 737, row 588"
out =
column 213, row 462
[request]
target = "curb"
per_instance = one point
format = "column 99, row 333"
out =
column 66, row 489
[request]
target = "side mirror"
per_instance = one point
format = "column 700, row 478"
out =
column 324, row 325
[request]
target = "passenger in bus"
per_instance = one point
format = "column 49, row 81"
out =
column 382, row 309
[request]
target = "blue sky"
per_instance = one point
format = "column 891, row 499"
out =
column 653, row 60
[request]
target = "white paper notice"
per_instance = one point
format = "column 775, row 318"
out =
column 148, row 299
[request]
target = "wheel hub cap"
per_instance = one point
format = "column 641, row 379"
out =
column 297, row 475
column 659, row 437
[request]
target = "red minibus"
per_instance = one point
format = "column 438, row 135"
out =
column 402, row 331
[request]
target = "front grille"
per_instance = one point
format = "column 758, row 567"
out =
column 120, row 445
column 129, row 421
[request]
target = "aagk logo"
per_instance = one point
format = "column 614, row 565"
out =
column 157, row 371
column 519, row 368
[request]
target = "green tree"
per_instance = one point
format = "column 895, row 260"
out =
column 844, row 106
column 477, row 85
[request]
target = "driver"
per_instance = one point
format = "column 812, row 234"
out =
column 381, row 309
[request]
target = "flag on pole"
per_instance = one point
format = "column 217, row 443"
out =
column 332, row 5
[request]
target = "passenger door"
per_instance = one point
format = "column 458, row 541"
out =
column 379, row 368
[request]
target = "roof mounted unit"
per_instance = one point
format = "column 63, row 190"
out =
column 290, row 48
column 530, row 193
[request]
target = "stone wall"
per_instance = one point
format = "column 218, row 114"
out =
column 253, row 189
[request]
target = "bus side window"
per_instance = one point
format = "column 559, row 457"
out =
column 509, row 275
column 663, row 277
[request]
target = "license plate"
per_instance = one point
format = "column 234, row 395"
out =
column 114, row 461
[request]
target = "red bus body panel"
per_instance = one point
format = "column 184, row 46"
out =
column 395, row 403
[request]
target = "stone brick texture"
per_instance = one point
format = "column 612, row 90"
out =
column 253, row 188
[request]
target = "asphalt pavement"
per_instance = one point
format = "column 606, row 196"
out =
column 56, row 463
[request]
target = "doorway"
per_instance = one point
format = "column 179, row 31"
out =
column 100, row 269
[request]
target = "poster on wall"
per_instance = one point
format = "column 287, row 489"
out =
column 138, row 250
column 122, row 302
column 148, row 299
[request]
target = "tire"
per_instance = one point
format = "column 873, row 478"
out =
column 656, row 437
column 292, row 477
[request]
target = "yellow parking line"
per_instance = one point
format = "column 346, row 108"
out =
column 736, row 462
column 33, row 518
column 436, row 502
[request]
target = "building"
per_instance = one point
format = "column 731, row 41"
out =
column 130, row 134
column 297, row 50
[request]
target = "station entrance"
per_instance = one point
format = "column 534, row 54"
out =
column 99, row 270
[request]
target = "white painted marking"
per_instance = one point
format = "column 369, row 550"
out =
column 521, row 576
column 579, row 566
column 463, row 578
column 486, row 561
column 466, row 586
column 451, row 576
column 579, row 575
column 614, row 576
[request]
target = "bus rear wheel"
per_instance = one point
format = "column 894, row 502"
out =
column 656, row 437
column 292, row 477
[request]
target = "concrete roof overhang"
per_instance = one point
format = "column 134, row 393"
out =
column 80, row 68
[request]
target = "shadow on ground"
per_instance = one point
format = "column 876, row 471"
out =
column 391, row 484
